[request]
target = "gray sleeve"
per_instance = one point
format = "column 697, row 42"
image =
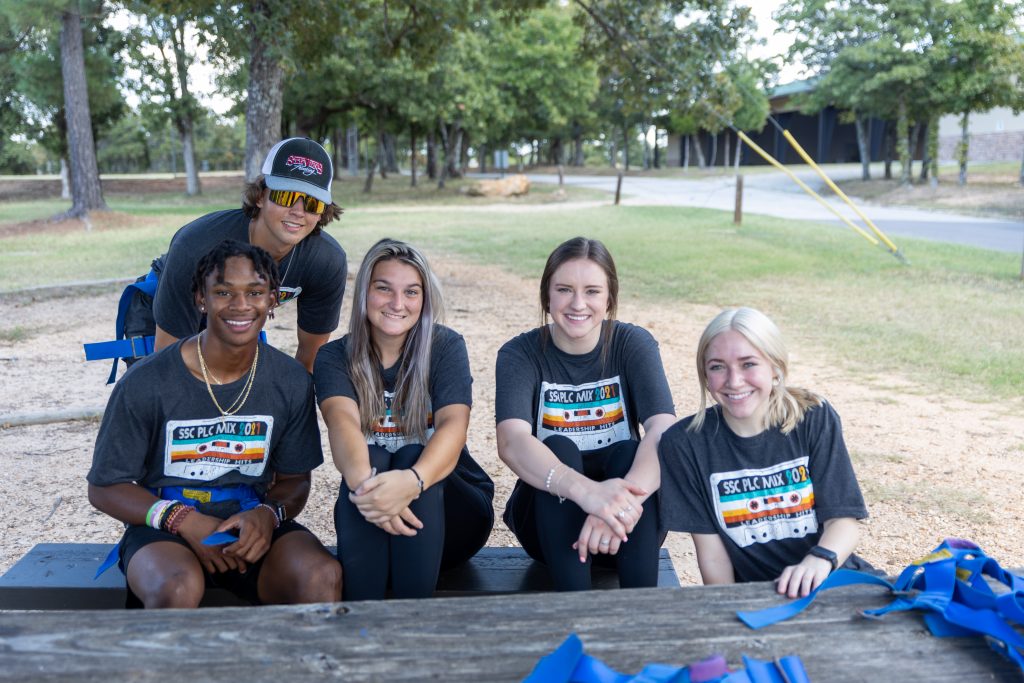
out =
column 648, row 386
column 836, row 492
column 450, row 379
column 299, row 449
column 330, row 372
column 683, row 499
column 323, row 289
column 125, row 439
column 517, row 383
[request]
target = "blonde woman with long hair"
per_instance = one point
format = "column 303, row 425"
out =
column 762, row 479
column 395, row 393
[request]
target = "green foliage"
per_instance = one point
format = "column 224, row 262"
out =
column 36, row 69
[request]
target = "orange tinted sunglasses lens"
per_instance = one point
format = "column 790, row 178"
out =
column 289, row 197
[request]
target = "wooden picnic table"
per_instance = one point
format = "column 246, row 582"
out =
column 494, row 638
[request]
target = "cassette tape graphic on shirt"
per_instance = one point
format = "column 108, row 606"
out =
column 386, row 432
column 286, row 294
column 762, row 505
column 204, row 450
column 592, row 415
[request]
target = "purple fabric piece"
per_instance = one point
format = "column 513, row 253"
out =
column 710, row 669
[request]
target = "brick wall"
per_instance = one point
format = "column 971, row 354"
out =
column 1005, row 146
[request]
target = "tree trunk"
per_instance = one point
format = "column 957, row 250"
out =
column 65, row 184
column 352, row 148
column 725, row 156
column 391, row 152
column 625, row 149
column 933, row 149
column 686, row 152
column 185, row 112
column 577, row 145
column 1022, row 171
column 902, row 151
column 739, row 147
column 646, row 161
column 382, row 154
column 463, row 153
column 913, row 138
column 264, row 96
column 431, row 156
column 700, row 152
column 612, row 153
column 890, row 136
column 446, row 147
column 714, row 150
column 86, row 192
column 412, row 155
column 922, row 141
column 963, row 148
column 371, row 164
column 863, row 125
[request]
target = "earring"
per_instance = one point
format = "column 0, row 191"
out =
column 270, row 314
column 775, row 382
column 202, row 309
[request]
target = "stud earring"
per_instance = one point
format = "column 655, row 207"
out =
column 775, row 382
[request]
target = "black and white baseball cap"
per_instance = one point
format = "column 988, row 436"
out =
column 300, row 165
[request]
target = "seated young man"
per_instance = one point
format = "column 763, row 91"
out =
column 216, row 434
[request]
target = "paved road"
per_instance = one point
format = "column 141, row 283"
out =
column 774, row 194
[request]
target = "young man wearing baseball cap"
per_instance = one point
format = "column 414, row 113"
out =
column 283, row 211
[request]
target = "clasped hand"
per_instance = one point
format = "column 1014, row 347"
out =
column 255, row 531
column 384, row 499
column 613, row 508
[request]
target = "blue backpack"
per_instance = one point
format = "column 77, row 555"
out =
column 135, row 327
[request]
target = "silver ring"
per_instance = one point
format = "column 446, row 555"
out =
column 605, row 543
column 622, row 514
column 629, row 508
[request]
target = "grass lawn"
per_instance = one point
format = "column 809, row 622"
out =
column 955, row 318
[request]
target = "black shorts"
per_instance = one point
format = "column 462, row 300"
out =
column 136, row 537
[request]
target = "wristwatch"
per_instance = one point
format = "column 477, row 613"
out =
column 279, row 510
column 825, row 554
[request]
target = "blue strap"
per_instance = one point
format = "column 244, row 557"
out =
column 129, row 347
column 840, row 577
column 949, row 584
column 569, row 664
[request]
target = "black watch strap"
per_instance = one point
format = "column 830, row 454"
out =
column 279, row 510
column 825, row 554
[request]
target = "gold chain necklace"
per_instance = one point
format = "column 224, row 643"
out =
column 237, row 404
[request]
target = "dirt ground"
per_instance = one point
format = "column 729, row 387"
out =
column 930, row 465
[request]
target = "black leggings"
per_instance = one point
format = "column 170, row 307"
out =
column 547, row 529
column 457, row 517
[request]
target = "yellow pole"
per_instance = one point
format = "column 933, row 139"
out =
column 835, row 188
column 771, row 160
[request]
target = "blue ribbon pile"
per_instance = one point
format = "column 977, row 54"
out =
column 569, row 664
column 949, row 585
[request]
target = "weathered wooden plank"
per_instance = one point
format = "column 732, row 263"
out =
column 60, row 576
column 493, row 638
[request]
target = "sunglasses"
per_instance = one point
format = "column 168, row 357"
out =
column 289, row 197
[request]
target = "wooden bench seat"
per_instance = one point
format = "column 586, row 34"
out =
column 56, row 576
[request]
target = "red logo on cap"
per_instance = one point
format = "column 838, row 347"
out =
column 304, row 165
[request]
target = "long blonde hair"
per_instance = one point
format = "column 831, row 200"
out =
column 786, row 405
column 411, row 404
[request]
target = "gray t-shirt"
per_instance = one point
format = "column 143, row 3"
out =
column 313, row 272
column 594, row 402
column 766, row 496
column 450, row 382
column 161, row 428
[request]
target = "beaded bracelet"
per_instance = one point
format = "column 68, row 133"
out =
column 277, row 521
column 176, row 511
column 179, row 517
column 547, row 481
column 561, row 498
